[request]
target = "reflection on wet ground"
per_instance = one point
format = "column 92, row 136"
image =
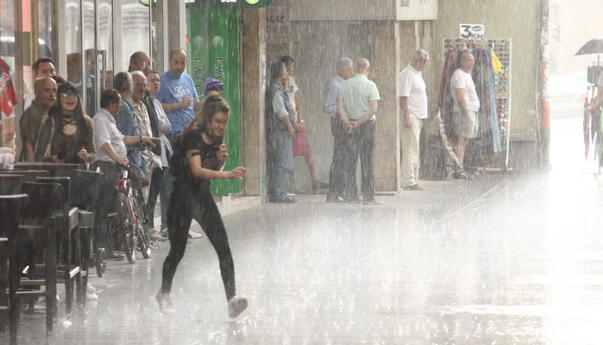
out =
column 498, row 260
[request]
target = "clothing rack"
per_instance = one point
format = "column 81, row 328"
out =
column 502, row 48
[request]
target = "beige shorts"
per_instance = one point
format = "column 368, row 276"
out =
column 465, row 126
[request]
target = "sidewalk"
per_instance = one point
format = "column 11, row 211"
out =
column 313, row 271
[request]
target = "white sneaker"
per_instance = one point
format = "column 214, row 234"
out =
column 236, row 305
column 91, row 293
column 194, row 235
column 165, row 303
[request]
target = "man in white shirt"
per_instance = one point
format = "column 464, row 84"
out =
column 412, row 97
column 111, row 154
column 43, row 67
column 466, row 106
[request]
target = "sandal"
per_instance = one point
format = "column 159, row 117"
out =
column 156, row 236
column 461, row 175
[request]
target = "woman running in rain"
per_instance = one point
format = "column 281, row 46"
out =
column 198, row 157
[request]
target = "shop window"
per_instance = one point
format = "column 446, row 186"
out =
column 7, row 33
column 73, row 42
column 135, row 29
column 88, row 25
column 105, row 43
column 45, row 28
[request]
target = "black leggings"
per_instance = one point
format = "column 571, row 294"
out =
column 183, row 207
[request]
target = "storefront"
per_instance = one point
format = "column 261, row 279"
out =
column 91, row 40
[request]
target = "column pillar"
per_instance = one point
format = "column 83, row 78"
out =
column 177, row 25
column 252, row 105
column 387, row 149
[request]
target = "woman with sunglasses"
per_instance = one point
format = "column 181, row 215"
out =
column 66, row 136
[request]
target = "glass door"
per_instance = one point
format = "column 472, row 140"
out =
column 89, row 45
column 89, row 48
column 105, row 45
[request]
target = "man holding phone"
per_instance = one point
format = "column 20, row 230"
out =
column 179, row 99
column 177, row 94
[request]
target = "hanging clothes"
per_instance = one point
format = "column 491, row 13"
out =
column 434, row 153
column 8, row 96
column 483, row 77
column 496, row 65
column 446, row 102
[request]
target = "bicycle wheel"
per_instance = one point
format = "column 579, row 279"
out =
column 142, row 234
column 126, row 229
column 144, row 244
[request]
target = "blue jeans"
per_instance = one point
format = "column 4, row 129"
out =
column 280, row 163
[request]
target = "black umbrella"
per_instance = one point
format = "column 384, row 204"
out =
column 594, row 46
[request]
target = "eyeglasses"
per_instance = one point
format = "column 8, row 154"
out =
column 68, row 94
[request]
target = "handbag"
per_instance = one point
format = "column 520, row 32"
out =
column 300, row 144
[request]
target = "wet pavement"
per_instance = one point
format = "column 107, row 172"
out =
column 502, row 259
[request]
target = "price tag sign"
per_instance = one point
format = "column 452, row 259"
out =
column 472, row 31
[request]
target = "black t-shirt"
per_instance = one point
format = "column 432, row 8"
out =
column 179, row 166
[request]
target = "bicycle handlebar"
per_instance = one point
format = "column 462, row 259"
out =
column 140, row 146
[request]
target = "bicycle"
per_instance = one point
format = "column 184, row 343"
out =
column 130, row 222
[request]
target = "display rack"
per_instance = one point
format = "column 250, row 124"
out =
column 502, row 48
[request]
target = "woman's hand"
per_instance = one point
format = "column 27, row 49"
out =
column 221, row 154
column 83, row 154
column 235, row 173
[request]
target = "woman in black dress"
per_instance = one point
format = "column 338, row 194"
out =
column 198, row 158
column 66, row 135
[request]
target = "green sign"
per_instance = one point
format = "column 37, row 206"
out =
column 224, row 3
column 240, row 3
column 213, row 35
column 146, row 2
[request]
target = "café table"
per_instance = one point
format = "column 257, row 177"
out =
column 51, row 166
column 10, row 183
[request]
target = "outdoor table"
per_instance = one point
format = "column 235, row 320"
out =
column 10, row 183
column 28, row 174
column 52, row 167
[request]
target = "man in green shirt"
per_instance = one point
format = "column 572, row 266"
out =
column 357, row 107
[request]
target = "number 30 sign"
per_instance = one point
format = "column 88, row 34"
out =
column 472, row 31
